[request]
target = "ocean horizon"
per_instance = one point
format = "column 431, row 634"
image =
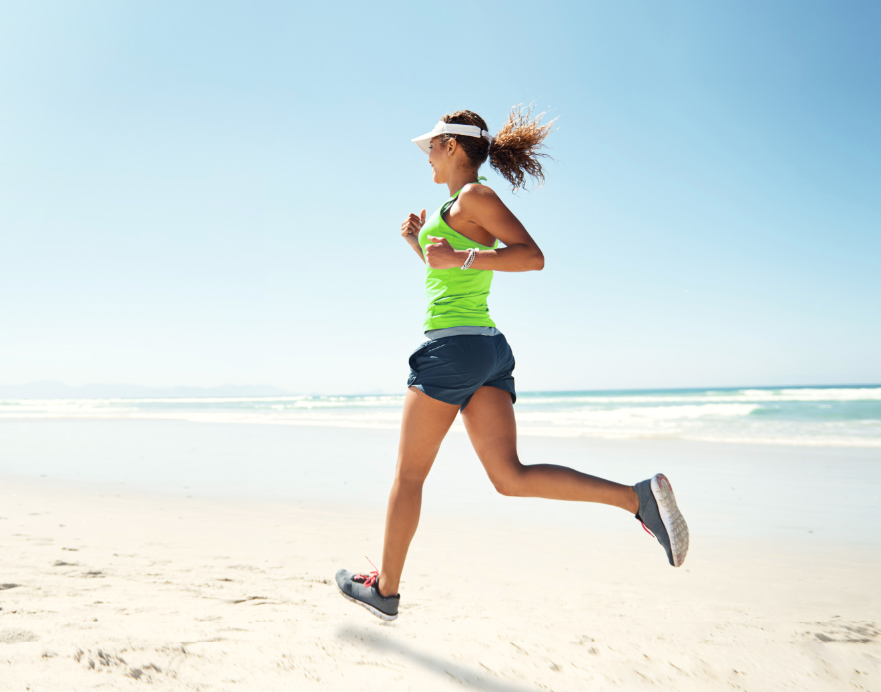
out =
column 828, row 415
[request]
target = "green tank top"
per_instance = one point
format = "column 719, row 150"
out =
column 456, row 298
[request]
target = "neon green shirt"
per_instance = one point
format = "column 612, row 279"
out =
column 456, row 298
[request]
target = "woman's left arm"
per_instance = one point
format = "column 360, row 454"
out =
column 482, row 206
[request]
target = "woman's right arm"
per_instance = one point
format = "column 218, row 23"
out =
column 410, row 231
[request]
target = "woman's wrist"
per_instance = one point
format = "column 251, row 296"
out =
column 468, row 257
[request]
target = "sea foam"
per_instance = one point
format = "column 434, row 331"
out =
column 825, row 416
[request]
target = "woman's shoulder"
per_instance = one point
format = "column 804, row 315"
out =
column 476, row 196
column 477, row 193
column 477, row 188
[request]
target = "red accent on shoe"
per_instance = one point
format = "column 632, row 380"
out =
column 368, row 579
column 645, row 528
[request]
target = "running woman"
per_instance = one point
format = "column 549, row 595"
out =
column 465, row 363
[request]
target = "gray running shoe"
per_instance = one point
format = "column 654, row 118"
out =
column 661, row 517
column 362, row 589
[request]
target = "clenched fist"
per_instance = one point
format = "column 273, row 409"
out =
column 439, row 254
column 411, row 227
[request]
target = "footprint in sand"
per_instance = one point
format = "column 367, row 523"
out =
column 16, row 636
column 110, row 661
column 846, row 632
column 247, row 599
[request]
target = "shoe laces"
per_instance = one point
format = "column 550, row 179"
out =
column 370, row 578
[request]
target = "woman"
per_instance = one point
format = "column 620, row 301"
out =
column 465, row 365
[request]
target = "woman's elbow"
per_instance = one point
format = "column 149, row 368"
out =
column 538, row 260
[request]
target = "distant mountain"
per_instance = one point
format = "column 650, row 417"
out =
column 59, row 390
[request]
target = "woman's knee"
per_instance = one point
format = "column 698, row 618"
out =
column 411, row 476
column 508, row 482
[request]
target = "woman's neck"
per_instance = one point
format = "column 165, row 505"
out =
column 460, row 179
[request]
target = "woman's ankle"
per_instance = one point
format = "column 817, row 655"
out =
column 382, row 586
column 632, row 502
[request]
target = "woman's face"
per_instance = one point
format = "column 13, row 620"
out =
column 438, row 159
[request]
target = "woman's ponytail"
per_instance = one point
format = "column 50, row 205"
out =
column 514, row 152
column 515, row 149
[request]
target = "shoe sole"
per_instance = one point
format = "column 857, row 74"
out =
column 370, row 608
column 674, row 522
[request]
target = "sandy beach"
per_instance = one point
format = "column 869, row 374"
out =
column 110, row 586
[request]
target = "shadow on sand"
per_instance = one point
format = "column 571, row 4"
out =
column 469, row 677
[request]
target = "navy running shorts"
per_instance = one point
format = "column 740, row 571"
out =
column 452, row 368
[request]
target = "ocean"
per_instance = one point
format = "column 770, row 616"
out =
column 836, row 416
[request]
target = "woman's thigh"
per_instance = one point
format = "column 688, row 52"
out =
column 425, row 423
column 492, row 429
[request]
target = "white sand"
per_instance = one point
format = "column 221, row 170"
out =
column 107, row 590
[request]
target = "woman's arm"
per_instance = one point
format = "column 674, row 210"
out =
column 481, row 206
column 410, row 231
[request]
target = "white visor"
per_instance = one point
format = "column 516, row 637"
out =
column 451, row 129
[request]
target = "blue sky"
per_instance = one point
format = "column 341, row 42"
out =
column 207, row 193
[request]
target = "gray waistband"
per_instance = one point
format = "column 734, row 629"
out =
column 460, row 331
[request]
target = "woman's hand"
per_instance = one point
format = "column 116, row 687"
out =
column 440, row 254
column 411, row 227
column 410, row 231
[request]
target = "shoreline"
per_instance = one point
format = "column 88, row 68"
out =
column 458, row 428
column 793, row 493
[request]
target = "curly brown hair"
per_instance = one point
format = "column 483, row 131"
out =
column 514, row 151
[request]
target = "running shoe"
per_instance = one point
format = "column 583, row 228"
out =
column 660, row 516
column 362, row 589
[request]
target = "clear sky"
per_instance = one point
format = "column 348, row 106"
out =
column 204, row 193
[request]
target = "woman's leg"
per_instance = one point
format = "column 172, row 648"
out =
column 489, row 420
column 424, row 425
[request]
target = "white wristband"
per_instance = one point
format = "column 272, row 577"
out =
column 472, row 253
